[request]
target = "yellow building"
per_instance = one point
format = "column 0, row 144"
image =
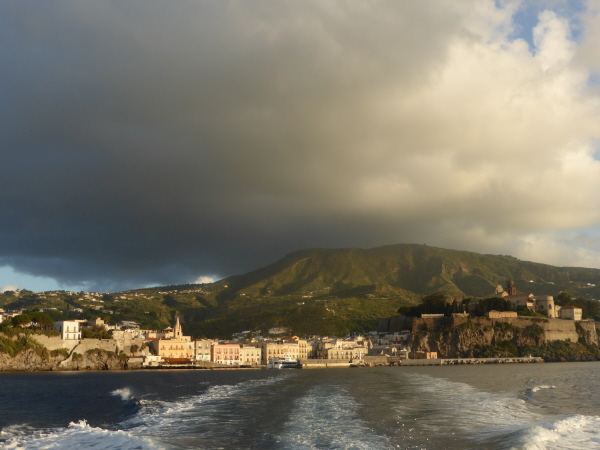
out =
column 175, row 347
column 250, row 355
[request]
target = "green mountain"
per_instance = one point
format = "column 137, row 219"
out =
column 404, row 270
column 316, row 291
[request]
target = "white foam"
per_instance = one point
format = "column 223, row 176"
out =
column 124, row 393
column 535, row 389
column 163, row 418
column 80, row 435
column 155, row 420
column 504, row 419
column 327, row 418
column 573, row 432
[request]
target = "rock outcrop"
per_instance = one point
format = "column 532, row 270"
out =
column 480, row 337
column 30, row 360
column 94, row 359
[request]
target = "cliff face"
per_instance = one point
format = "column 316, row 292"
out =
column 465, row 339
column 36, row 359
column 93, row 359
column 30, row 360
column 25, row 353
column 475, row 337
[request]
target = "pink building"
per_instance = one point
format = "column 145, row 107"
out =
column 226, row 353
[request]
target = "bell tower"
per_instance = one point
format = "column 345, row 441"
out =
column 177, row 332
column 511, row 288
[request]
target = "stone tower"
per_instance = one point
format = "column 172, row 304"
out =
column 510, row 287
column 177, row 332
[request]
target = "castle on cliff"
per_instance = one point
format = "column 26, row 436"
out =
column 535, row 303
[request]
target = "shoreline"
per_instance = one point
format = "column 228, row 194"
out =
column 321, row 364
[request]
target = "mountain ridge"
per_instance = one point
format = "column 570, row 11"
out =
column 412, row 268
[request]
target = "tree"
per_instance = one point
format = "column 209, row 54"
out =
column 563, row 299
column 21, row 320
column 95, row 332
column 41, row 320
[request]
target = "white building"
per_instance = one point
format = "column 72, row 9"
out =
column 69, row 329
column 570, row 312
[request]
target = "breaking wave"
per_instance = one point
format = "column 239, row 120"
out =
column 80, row 436
column 535, row 389
column 503, row 421
column 124, row 393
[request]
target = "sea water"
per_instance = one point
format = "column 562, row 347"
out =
column 521, row 406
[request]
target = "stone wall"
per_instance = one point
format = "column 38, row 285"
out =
column 555, row 329
column 108, row 345
column 55, row 342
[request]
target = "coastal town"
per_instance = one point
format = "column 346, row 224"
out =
column 398, row 339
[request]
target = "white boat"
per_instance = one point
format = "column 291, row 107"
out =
column 279, row 363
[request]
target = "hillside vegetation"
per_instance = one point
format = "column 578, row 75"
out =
column 317, row 291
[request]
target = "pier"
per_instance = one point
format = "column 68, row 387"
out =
column 458, row 361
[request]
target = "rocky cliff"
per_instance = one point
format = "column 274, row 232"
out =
column 30, row 360
column 94, row 359
column 548, row 338
column 24, row 352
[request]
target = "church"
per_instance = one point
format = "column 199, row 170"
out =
column 535, row 303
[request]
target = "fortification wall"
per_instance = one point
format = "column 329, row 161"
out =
column 560, row 330
column 589, row 327
column 109, row 345
column 55, row 342
column 555, row 329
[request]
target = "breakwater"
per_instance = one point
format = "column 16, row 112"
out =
column 457, row 361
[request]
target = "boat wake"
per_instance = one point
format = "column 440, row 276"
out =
column 79, row 436
column 327, row 418
column 492, row 420
column 156, row 425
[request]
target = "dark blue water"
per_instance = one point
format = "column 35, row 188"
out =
column 537, row 406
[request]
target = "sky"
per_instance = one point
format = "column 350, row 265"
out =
column 148, row 143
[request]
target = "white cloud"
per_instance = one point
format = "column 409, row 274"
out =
column 203, row 279
column 10, row 287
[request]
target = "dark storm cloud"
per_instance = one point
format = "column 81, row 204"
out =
column 149, row 143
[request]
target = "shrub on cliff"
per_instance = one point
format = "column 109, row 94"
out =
column 59, row 351
column 13, row 347
column 532, row 332
column 563, row 351
column 503, row 349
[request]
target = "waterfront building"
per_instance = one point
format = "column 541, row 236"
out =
column 175, row 347
column 201, row 349
column 250, row 355
column 226, row 353
column 289, row 350
column 351, row 349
